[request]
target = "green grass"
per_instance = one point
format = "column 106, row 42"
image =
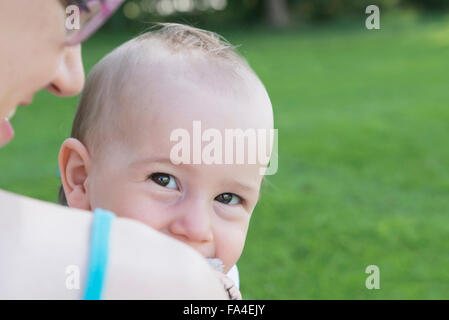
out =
column 363, row 123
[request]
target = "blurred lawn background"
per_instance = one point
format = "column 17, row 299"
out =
column 363, row 125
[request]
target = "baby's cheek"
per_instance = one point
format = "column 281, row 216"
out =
column 144, row 209
column 229, row 246
column 113, row 196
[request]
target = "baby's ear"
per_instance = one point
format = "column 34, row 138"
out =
column 74, row 164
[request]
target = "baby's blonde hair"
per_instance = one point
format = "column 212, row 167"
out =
column 97, row 111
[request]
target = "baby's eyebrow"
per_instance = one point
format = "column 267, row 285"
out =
column 246, row 187
column 148, row 160
column 243, row 187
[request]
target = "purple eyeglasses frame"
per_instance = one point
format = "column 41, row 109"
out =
column 108, row 7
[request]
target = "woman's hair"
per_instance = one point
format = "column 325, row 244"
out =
column 99, row 105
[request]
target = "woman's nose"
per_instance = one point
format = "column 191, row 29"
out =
column 193, row 225
column 69, row 78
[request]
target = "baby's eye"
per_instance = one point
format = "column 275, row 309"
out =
column 164, row 180
column 228, row 198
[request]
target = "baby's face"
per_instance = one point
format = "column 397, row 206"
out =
column 206, row 206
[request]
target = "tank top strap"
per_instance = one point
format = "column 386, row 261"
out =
column 99, row 252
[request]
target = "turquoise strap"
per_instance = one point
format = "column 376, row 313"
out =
column 99, row 250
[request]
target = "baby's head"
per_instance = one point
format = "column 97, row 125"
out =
column 121, row 156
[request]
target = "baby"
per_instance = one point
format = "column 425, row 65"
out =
column 122, row 158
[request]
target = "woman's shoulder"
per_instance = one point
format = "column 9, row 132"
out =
column 40, row 242
column 11, row 203
column 31, row 221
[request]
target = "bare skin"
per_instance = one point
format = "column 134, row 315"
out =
column 39, row 240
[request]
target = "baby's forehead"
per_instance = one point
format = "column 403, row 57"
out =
column 156, row 89
column 164, row 69
column 169, row 104
column 167, row 81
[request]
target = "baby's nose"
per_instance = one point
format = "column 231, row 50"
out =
column 194, row 225
column 69, row 78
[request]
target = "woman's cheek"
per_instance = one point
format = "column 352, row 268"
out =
column 49, row 68
column 44, row 60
